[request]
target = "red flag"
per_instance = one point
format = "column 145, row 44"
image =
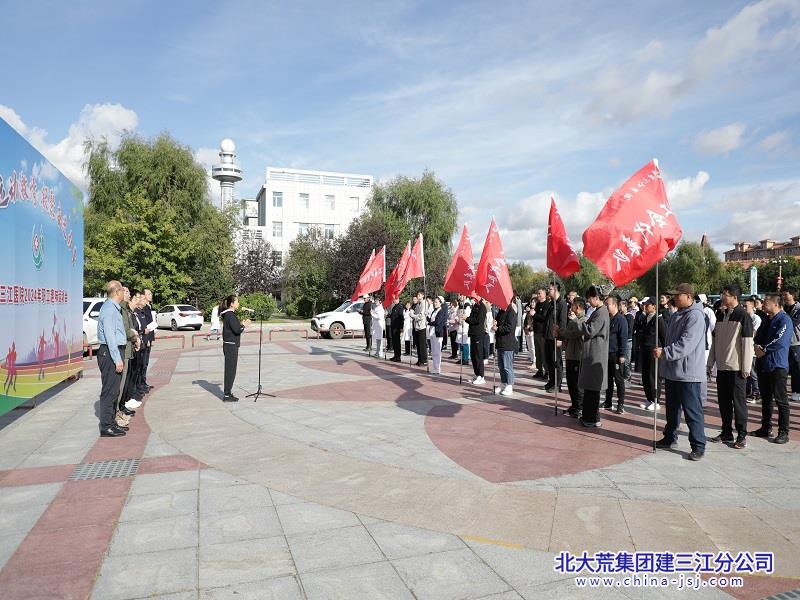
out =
column 416, row 262
column 492, row 280
column 393, row 287
column 373, row 275
column 461, row 274
column 561, row 256
column 635, row 229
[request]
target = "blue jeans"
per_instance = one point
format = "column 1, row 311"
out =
column 505, row 360
column 686, row 395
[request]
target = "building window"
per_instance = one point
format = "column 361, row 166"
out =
column 355, row 203
column 259, row 234
column 277, row 199
column 277, row 229
column 305, row 204
column 277, row 255
column 302, row 228
column 329, row 230
column 252, row 221
column 330, row 203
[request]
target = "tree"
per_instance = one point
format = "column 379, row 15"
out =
column 150, row 222
column 306, row 272
column 256, row 267
column 768, row 275
column 526, row 280
column 589, row 275
column 262, row 304
column 426, row 206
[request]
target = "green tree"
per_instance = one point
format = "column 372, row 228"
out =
column 263, row 304
column 588, row 275
column 307, row 271
column 425, row 205
column 688, row 263
column 256, row 267
column 526, row 280
column 768, row 275
column 150, row 222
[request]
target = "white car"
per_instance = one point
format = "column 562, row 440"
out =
column 345, row 318
column 176, row 316
column 91, row 310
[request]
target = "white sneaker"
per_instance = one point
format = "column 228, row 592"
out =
column 650, row 406
column 507, row 391
column 486, row 361
column 132, row 404
column 795, row 397
column 478, row 381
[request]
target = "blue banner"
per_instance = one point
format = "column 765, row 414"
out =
column 41, row 276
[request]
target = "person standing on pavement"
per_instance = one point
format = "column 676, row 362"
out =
column 625, row 310
column 520, row 319
column 396, row 319
column 112, row 337
column 231, row 339
column 573, row 349
column 772, row 344
column 477, row 332
column 593, row 374
column 752, row 394
column 683, row 366
column 420, row 320
column 647, row 344
column 366, row 319
column 617, row 350
column 378, row 324
column 555, row 318
column 792, row 308
column 539, row 324
column 127, row 403
column 506, row 346
column 437, row 327
column 732, row 354
column 149, row 335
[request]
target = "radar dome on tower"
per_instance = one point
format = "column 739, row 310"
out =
column 227, row 172
column 227, row 145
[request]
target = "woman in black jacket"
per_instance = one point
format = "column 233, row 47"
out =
column 231, row 336
column 477, row 329
column 506, row 343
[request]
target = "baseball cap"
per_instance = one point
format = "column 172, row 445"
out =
column 681, row 288
column 648, row 300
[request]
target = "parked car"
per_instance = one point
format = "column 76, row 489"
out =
column 176, row 316
column 345, row 318
column 91, row 310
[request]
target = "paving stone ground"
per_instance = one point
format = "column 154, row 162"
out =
column 360, row 478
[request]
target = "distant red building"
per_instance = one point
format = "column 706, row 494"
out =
column 747, row 253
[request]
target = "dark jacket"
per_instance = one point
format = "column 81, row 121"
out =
column 593, row 373
column 506, row 327
column 775, row 336
column 557, row 312
column 396, row 316
column 231, row 328
column 540, row 317
column 618, row 335
column 477, row 320
column 647, row 333
column 147, row 311
column 366, row 314
column 629, row 319
column 439, row 322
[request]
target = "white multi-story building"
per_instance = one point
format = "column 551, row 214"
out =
column 292, row 201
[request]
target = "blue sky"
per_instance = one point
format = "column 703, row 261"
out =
column 507, row 102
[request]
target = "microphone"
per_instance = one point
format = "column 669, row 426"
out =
column 250, row 310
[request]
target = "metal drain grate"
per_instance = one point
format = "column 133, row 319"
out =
column 105, row 469
column 791, row 595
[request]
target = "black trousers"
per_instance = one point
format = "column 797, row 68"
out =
column 652, row 388
column 552, row 363
column 591, row 406
column 231, row 352
column 476, row 355
column 794, row 368
column 145, row 362
column 616, row 377
column 538, row 350
column 109, row 390
column 453, row 344
column 368, row 335
column 773, row 391
column 130, row 383
column 422, row 345
column 732, row 404
column 575, row 392
column 396, row 331
column 408, row 347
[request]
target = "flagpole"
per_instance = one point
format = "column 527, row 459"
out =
column 556, row 357
column 655, row 370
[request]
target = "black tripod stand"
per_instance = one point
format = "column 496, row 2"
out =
column 255, row 395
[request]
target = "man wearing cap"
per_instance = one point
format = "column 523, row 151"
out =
column 647, row 343
column 683, row 365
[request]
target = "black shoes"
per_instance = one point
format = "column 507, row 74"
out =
column 666, row 444
column 696, row 455
column 781, row 438
column 230, row 398
column 741, row 442
column 127, row 411
column 721, row 438
column 112, row 432
column 589, row 424
column 620, row 410
column 761, row 432
column 395, row 360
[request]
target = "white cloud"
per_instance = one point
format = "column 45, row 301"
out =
column 96, row 121
column 773, row 141
column 721, row 140
column 683, row 193
column 627, row 92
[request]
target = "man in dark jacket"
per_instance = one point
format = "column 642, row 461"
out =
column 231, row 338
column 506, row 345
column 149, row 335
column 617, row 348
column 639, row 323
column 555, row 318
column 396, row 320
column 539, row 324
column 792, row 308
column 647, row 343
column 366, row 318
column 573, row 349
column 477, row 330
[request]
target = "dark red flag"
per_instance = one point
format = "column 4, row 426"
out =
column 416, row 262
column 492, row 280
column 373, row 275
column 393, row 289
column 461, row 274
column 635, row 229
column 561, row 256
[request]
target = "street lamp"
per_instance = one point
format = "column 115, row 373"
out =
column 780, row 261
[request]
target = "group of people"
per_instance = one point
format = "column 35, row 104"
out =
column 126, row 331
column 677, row 342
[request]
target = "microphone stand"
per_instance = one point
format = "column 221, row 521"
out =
column 258, row 393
